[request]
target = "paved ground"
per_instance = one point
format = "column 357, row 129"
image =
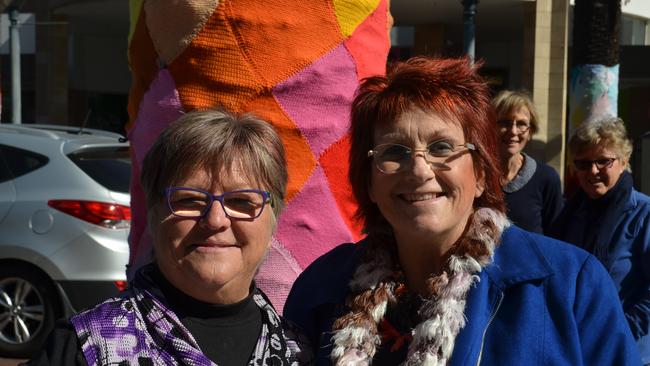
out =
column 9, row 362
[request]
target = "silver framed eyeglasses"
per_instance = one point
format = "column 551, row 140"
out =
column 245, row 204
column 521, row 125
column 391, row 158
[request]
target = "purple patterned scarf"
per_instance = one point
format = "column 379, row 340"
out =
column 140, row 329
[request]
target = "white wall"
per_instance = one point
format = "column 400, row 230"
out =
column 639, row 8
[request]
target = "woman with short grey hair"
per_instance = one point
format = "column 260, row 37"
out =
column 610, row 219
column 215, row 184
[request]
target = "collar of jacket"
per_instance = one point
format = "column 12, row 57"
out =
column 518, row 259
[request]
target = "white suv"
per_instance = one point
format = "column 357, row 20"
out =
column 64, row 223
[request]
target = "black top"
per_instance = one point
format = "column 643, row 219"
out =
column 227, row 334
column 534, row 197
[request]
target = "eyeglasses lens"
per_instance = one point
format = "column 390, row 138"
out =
column 243, row 205
column 521, row 125
column 188, row 203
column 587, row 164
column 392, row 157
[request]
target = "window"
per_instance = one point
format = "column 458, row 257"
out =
column 19, row 162
column 633, row 31
column 108, row 166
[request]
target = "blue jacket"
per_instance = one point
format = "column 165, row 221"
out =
column 541, row 302
column 628, row 263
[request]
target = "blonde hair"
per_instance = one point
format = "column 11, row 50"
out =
column 609, row 133
column 508, row 101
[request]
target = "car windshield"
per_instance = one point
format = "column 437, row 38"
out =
column 108, row 166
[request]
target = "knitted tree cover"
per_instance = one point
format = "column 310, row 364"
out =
column 295, row 64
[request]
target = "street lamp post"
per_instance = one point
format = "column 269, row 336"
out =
column 469, row 39
column 16, row 103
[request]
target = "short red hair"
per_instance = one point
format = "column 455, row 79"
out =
column 451, row 88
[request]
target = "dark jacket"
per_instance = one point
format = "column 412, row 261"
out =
column 534, row 196
column 541, row 302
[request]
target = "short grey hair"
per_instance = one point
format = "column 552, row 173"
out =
column 609, row 132
column 217, row 141
column 509, row 101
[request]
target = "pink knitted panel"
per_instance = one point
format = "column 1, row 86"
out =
column 318, row 98
column 311, row 224
column 160, row 106
column 277, row 274
column 138, row 218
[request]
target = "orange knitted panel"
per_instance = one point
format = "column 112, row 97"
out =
column 281, row 37
column 300, row 159
column 212, row 70
column 335, row 164
column 143, row 66
column 370, row 42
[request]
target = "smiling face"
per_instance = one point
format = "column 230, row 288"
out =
column 596, row 182
column 419, row 202
column 213, row 258
column 511, row 140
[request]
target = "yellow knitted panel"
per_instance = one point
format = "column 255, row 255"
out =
column 351, row 13
column 134, row 10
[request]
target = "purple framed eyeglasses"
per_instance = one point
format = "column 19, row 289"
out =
column 244, row 204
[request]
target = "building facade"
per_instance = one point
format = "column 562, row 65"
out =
column 75, row 69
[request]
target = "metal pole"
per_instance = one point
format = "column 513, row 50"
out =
column 469, row 40
column 16, row 103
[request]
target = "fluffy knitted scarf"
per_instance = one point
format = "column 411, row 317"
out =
column 355, row 335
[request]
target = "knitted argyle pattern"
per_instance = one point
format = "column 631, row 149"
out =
column 296, row 64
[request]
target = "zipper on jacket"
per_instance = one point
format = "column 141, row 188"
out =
column 494, row 314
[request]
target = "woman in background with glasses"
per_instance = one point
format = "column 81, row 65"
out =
column 443, row 278
column 532, row 189
column 214, row 186
column 610, row 219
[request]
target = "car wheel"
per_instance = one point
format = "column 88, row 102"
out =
column 26, row 310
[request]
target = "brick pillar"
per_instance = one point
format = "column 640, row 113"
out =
column 545, row 75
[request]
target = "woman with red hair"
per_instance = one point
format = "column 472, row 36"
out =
column 443, row 278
